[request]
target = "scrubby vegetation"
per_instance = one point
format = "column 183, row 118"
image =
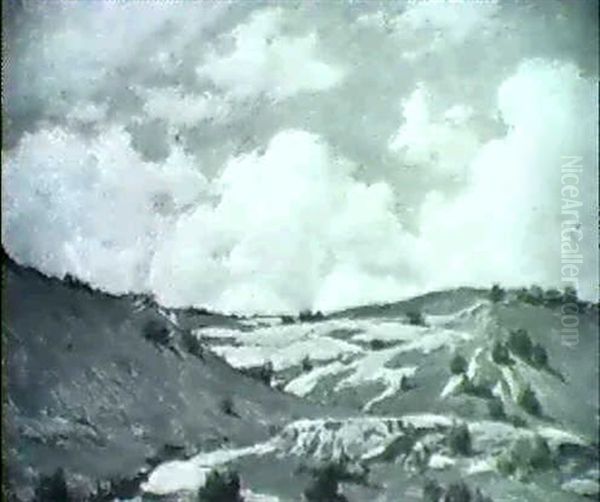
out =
column 415, row 318
column 308, row 316
column 376, row 344
column 496, row 409
column 500, row 353
column 520, row 344
column 221, row 486
column 525, row 456
column 459, row 440
column 529, row 401
column 497, row 294
column 479, row 389
column 287, row 319
column 52, row 488
column 458, row 365
column 325, row 486
column 156, row 332
column 539, row 356
column 262, row 373
column 228, row 407
column 191, row 344
column 454, row 492
column 307, row 364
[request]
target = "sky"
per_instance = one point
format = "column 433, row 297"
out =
column 270, row 157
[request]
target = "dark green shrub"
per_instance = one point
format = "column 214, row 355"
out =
column 307, row 364
column 262, row 373
column 228, row 408
column 191, row 344
column 52, row 488
column 457, row 492
column 539, row 356
column 377, row 344
column 308, row 316
column 325, row 484
column 570, row 295
column 287, row 319
column 432, row 491
column 497, row 294
column 156, row 332
column 458, row 365
column 552, row 297
column 520, row 344
column 529, row 402
column 500, row 353
column 481, row 390
column 415, row 318
column 459, row 440
column 496, row 409
column 221, row 487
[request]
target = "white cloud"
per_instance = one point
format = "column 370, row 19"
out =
column 266, row 61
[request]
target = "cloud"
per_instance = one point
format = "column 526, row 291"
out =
column 264, row 60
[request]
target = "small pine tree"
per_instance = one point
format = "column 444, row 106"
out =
column 221, row 487
column 325, row 485
column 500, row 353
column 156, row 332
column 520, row 344
column 459, row 440
column 457, row 492
column 415, row 318
column 458, row 365
column 497, row 294
column 529, row 401
column 52, row 488
column 307, row 364
column 228, row 408
column 432, row 491
column 539, row 356
column 376, row 344
column 496, row 409
column 191, row 344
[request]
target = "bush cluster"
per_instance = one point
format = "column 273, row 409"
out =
column 221, row 486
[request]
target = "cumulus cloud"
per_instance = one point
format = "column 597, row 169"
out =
column 264, row 60
column 292, row 218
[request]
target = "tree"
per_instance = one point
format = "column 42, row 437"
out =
column 529, row 401
column 325, row 484
column 496, row 409
column 459, row 440
column 458, row 365
column 52, row 488
column 191, row 344
column 156, row 332
column 497, row 294
column 221, row 487
column 415, row 318
column 432, row 491
column 457, row 492
column 307, row 364
column 228, row 408
column 520, row 344
column 539, row 356
column 500, row 354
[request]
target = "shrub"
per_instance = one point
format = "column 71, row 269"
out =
column 570, row 295
column 459, row 440
column 221, row 487
column 520, row 344
column 552, row 297
column 500, row 354
column 308, row 316
column 497, row 294
column 228, row 408
column 525, row 455
column 156, row 332
column 307, row 364
column 432, row 491
column 266, row 373
column 457, row 492
column 539, row 356
column 377, row 344
column 496, row 409
column 529, row 401
column 52, row 488
column 415, row 318
column 191, row 344
column 287, row 319
column 325, row 485
column 482, row 389
column 458, row 365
